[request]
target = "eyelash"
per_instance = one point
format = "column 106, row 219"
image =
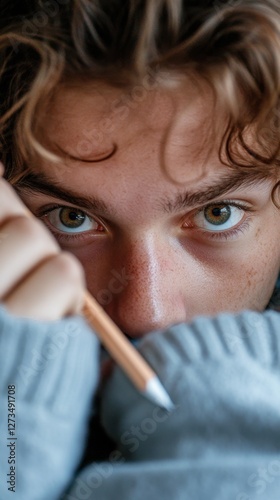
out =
column 230, row 233
column 224, row 235
column 219, row 235
column 64, row 236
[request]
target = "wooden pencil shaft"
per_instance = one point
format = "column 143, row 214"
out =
column 121, row 350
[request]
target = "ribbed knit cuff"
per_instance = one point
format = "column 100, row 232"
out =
column 248, row 334
column 50, row 363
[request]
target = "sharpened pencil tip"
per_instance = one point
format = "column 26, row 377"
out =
column 156, row 393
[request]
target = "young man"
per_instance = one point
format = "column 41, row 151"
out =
column 146, row 140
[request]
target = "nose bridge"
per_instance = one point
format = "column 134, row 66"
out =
column 141, row 304
column 142, row 262
column 146, row 266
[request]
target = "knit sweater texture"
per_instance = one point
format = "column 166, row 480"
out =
column 222, row 441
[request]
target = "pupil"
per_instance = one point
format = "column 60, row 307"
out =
column 72, row 216
column 216, row 212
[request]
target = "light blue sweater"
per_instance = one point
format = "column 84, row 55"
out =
column 221, row 442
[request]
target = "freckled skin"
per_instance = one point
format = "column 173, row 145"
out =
column 175, row 273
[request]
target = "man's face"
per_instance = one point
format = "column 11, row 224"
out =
column 164, row 230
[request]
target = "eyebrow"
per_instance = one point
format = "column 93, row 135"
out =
column 228, row 182
column 40, row 183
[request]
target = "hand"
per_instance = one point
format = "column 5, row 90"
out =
column 37, row 279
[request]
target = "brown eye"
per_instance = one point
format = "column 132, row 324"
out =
column 217, row 214
column 72, row 220
column 218, row 217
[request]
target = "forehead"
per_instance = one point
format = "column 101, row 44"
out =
column 160, row 124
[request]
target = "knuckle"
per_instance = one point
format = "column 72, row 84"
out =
column 10, row 202
column 23, row 226
column 32, row 230
column 69, row 268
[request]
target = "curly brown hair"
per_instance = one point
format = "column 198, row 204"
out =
column 234, row 45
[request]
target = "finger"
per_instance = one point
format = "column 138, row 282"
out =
column 52, row 291
column 10, row 203
column 24, row 243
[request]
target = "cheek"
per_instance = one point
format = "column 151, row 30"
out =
column 247, row 280
column 235, row 275
column 96, row 262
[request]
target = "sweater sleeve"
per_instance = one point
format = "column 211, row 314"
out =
column 48, row 376
column 222, row 440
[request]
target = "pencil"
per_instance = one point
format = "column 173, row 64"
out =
column 125, row 354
